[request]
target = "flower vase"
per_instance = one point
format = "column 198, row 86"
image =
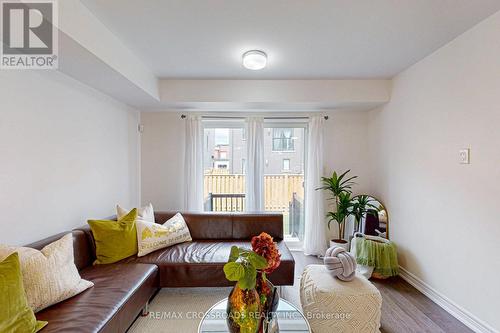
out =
column 243, row 310
column 269, row 299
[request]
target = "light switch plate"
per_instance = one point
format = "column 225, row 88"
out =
column 464, row 156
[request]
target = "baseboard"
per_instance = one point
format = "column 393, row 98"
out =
column 449, row 306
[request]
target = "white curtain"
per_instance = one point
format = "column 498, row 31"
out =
column 315, row 240
column 193, row 166
column 255, row 164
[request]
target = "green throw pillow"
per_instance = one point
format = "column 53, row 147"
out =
column 115, row 240
column 15, row 314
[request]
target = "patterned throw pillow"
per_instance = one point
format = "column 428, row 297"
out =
column 153, row 236
column 50, row 275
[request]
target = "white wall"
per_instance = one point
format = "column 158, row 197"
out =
column 67, row 153
column 163, row 153
column 346, row 148
column 445, row 216
column 162, row 156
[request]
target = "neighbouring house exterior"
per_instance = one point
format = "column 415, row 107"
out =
column 225, row 150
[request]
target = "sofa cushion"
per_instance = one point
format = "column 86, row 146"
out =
column 49, row 275
column 222, row 225
column 200, row 264
column 120, row 292
column 145, row 213
column 83, row 249
column 205, row 226
column 115, row 240
column 153, row 236
column 15, row 313
column 247, row 225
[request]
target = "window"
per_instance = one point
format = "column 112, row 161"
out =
column 283, row 139
column 223, row 165
column 286, row 164
column 225, row 169
column 221, row 136
column 284, row 174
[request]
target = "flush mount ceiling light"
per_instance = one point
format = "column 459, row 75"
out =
column 254, row 60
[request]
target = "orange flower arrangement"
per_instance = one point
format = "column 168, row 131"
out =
column 253, row 292
column 264, row 245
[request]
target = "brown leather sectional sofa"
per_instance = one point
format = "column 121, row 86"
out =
column 121, row 290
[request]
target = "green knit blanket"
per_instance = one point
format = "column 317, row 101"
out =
column 381, row 256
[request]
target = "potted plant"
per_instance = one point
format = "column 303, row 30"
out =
column 340, row 190
column 362, row 205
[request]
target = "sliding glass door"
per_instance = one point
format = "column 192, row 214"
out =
column 284, row 157
column 224, row 162
column 224, row 150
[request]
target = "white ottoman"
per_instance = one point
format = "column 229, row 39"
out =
column 331, row 305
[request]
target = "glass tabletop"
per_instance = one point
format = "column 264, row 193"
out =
column 290, row 319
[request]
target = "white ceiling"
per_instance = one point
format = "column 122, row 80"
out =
column 304, row 39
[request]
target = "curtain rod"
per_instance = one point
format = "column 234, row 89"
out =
column 235, row 117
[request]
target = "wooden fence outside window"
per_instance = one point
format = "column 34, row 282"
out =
column 226, row 191
column 283, row 193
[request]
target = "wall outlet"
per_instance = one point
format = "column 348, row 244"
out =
column 464, row 155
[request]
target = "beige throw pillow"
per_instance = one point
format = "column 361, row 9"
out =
column 153, row 236
column 50, row 275
column 145, row 213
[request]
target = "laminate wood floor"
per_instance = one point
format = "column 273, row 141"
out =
column 404, row 308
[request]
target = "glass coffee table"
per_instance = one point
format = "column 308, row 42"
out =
column 290, row 319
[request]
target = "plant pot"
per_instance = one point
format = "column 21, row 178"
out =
column 243, row 310
column 340, row 243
